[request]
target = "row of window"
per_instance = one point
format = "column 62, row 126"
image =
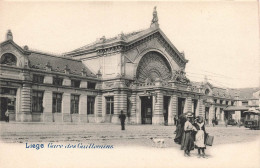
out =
column 58, row 82
column 37, row 103
column 221, row 102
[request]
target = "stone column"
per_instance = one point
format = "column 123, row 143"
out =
column 47, row 106
column 218, row 114
column 211, row 113
column 201, row 108
column 98, row 108
column 24, row 113
column 104, row 117
column 133, row 108
column 120, row 103
column 172, row 109
column 66, row 117
column 18, row 102
column 188, row 105
column 158, row 109
column 138, row 110
column 115, row 118
column 222, row 121
column 83, row 109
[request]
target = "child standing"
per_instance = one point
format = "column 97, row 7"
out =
column 200, row 136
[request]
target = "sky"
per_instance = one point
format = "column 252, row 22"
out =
column 220, row 39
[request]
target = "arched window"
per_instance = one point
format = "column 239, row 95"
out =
column 153, row 65
column 207, row 92
column 8, row 59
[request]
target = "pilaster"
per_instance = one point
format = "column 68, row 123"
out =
column 138, row 110
column 201, row 108
column 98, row 108
column 211, row 113
column 158, row 109
column 188, row 105
column 133, row 109
column 172, row 109
column 66, row 117
column 83, row 109
column 47, row 106
column 25, row 113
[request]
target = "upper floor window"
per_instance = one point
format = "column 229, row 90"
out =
column 232, row 103
column 207, row 92
column 8, row 59
column 221, row 101
column 226, row 102
column 91, row 85
column 244, row 103
column 75, row 83
column 38, row 78
column 9, row 91
column 215, row 100
column 57, row 81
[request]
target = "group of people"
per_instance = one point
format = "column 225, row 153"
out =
column 191, row 134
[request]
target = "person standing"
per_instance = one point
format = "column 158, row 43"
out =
column 187, row 139
column 7, row 116
column 122, row 118
column 200, row 138
column 175, row 120
column 180, row 129
column 213, row 122
column 226, row 122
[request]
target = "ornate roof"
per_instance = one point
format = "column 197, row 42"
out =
column 39, row 60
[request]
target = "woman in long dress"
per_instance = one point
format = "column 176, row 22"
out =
column 180, row 129
column 200, row 137
column 187, row 139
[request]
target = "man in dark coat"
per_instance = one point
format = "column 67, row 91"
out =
column 122, row 118
column 180, row 128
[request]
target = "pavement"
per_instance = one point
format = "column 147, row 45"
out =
column 232, row 147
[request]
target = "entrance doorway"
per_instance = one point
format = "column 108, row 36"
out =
column 146, row 109
column 3, row 106
column 207, row 115
column 181, row 104
column 166, row 102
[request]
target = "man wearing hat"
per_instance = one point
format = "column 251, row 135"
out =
column 188, row 140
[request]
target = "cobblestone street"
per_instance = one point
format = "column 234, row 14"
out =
column 111, row 133
column 233, row 146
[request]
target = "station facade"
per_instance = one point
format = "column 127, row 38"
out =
column 141, row 73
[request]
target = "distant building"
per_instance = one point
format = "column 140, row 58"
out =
column 246, row 98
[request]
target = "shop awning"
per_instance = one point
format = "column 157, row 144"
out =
column 252, row 110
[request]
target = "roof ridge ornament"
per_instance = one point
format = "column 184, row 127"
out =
column 155, row 19
column 9, row 35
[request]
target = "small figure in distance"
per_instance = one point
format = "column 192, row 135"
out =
column 122, row 118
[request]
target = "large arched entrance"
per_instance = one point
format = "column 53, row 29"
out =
column 152, row 66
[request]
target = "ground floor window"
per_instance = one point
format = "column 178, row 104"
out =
column 56, row 102
column 110, row 105
column 37, row 100
column 90, row 105
column 74, row 103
